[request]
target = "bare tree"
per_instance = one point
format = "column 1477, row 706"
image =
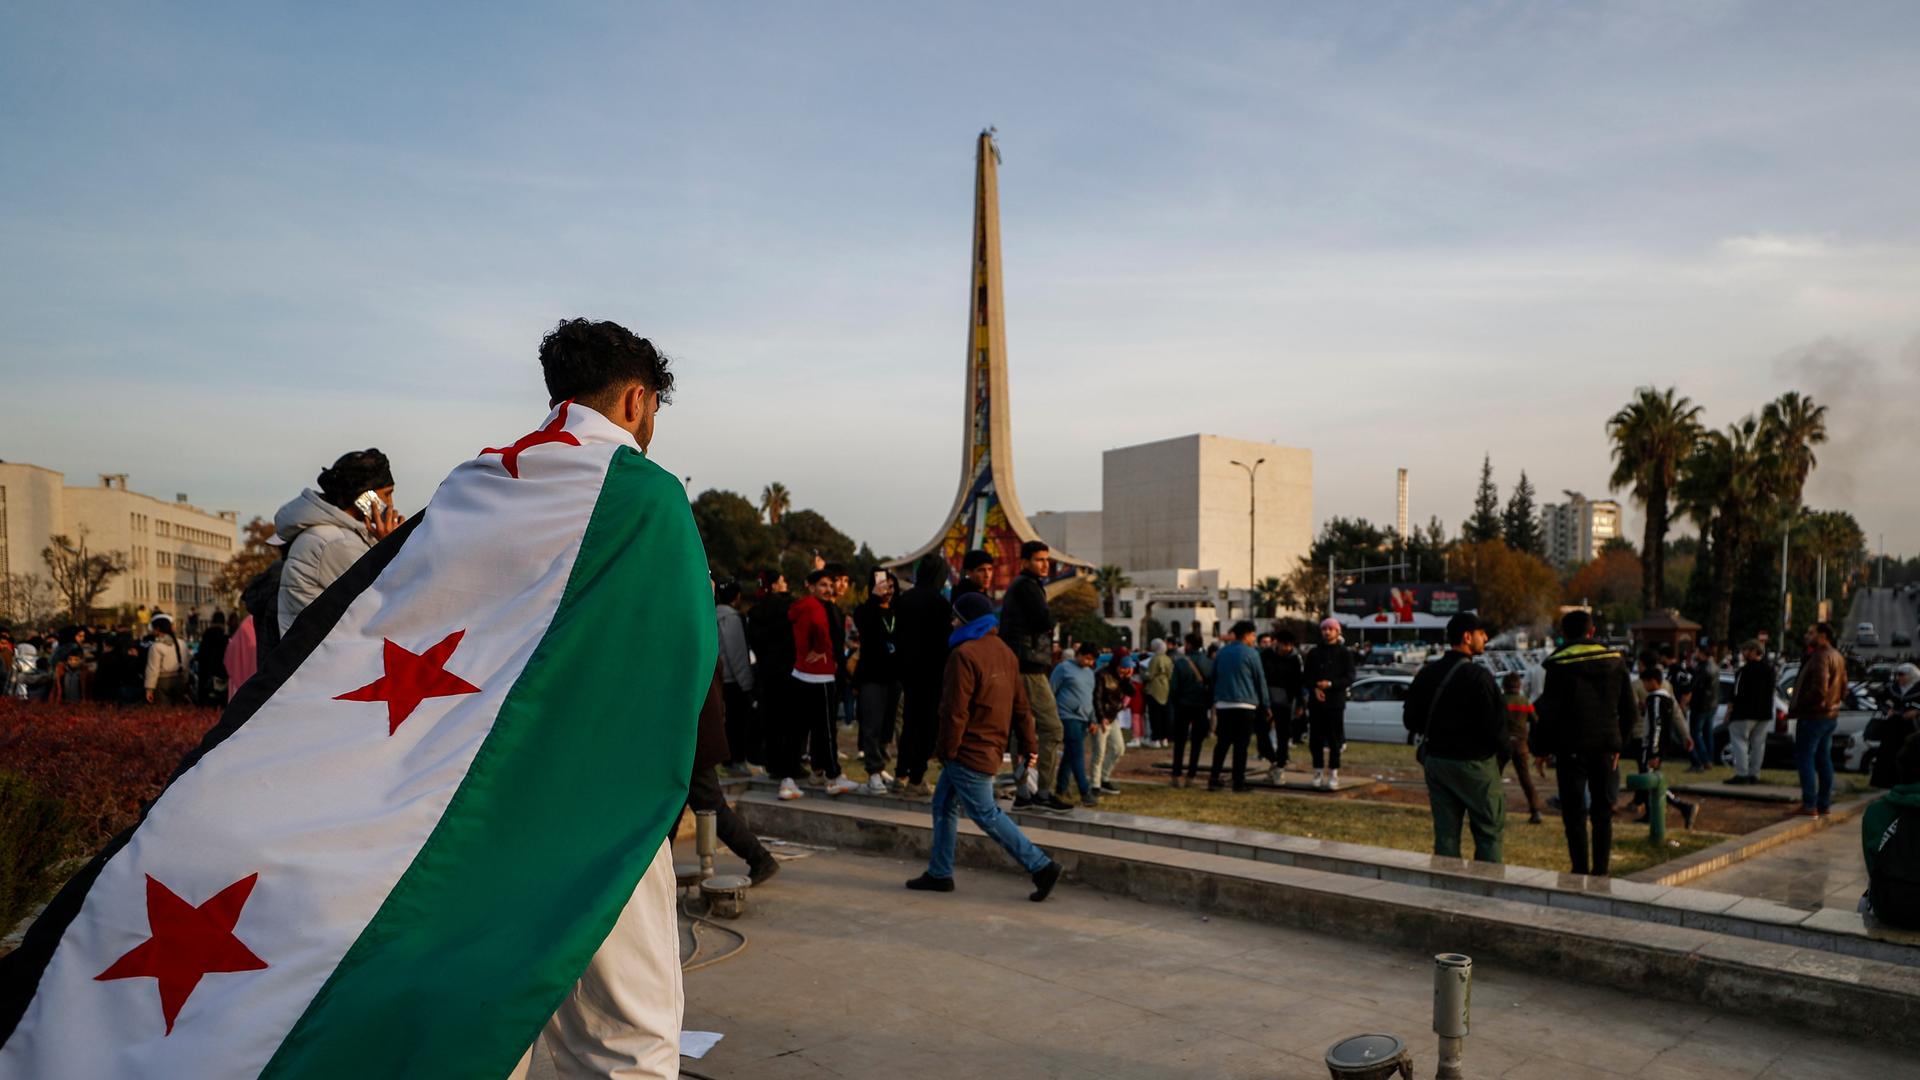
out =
column 28, row 600
column 79, row 574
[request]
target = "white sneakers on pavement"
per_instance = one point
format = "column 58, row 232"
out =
column 840, row 785
column 1319, row 780
column 876, row 784
column 791, row 790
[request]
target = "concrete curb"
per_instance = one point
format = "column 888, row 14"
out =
column 1741, row 848
column 1820, row 990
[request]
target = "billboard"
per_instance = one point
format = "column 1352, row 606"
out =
column 1402, row 604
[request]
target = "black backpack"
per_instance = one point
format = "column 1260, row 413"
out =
column 1895, row 884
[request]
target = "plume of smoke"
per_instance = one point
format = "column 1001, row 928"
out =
column 1869, row 400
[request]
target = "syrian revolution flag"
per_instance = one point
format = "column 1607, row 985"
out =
column 413, row 828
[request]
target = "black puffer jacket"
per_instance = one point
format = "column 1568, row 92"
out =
column 1026, row 624
column 1752, row 692
column 1587, row 706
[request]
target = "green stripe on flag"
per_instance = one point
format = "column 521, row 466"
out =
column 562, row 810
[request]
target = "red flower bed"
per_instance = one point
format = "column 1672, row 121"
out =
column 104, row 763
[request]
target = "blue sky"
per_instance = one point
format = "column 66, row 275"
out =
column 236, row 240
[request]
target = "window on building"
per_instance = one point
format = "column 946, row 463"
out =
column 166, row 591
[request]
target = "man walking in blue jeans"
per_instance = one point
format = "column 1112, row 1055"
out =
column 1817, row 693
column 983, row 697
column 1072, row 681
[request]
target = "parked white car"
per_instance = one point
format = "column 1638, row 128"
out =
column 1374, row 707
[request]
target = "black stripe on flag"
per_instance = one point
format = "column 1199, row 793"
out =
column 21, row 969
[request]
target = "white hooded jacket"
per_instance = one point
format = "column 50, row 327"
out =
column 322, row 542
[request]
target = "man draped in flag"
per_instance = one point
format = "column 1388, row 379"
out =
column 432, row 828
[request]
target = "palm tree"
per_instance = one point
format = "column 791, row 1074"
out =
column 1267, row 593
column 1793, row 425
column 1110, row 579
column 1726, row 484
column 774, row 501
column 1651, row 436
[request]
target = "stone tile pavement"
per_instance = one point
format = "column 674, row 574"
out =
column 1823, row 870
column 847, row 974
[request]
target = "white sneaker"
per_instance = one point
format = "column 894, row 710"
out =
column 876, row 784
column 887, row 778
column 1133, row 744
column 1333, row 779
column 791, row 790
column 840, row 785
column 1319, row 780
column 1274, row 775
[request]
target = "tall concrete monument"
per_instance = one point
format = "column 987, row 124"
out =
column 986, row 513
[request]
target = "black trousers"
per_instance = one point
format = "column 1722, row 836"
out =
column 1589, row 784
column 703, row 793
column 879, row 703
column 1235, row 727
column 812, row 711
column 1326, row 733
column 1159, row 719
column 743, row 726
column 1190, row 727
column 919, row 722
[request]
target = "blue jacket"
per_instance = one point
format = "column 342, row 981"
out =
column 1073, row 691
column 1239, row 677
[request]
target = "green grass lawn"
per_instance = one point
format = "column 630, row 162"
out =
column 1408, row 828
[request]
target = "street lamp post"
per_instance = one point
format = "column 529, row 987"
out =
column 1251, row 491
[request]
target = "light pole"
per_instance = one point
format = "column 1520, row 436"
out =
column 1251, row 490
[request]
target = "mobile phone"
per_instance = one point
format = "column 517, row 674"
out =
column 371, row 506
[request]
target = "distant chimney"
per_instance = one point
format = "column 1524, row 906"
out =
column 114, row 481
column 180, row 497
column 230, row 515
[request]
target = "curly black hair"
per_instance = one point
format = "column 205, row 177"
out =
column 582, row 360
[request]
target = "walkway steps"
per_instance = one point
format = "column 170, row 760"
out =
column 1570, row 929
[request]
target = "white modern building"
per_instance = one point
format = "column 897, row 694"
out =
column 1074, row 531
column 1574, row 531
column 1193, row 522
column 174, row 549
column 1205, row 502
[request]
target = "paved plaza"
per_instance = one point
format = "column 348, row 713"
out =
column 1825, row 870
column 847, row 974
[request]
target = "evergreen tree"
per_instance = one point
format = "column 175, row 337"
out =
column 1520, row 525
column 1484, row 525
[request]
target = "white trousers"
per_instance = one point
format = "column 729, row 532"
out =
column 1748, row 740
column 623, row 1017
column 1108, row 748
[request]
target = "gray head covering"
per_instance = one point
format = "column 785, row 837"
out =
column 1158, row 645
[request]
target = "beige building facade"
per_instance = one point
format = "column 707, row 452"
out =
column 1574, row 531
column 1184, row 503
column 174, row 549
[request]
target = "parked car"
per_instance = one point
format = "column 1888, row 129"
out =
column 1865, row 636
column 1374, row 707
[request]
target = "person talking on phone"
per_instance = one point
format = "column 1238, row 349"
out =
column 326, row 531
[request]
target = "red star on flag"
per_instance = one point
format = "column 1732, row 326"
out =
column 186, row 943
column 411, row 678
column 552, row 433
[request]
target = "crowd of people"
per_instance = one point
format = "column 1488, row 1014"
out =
column 144, row 659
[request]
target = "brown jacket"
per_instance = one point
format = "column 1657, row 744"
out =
column 1820, row 687
column 982, row 698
